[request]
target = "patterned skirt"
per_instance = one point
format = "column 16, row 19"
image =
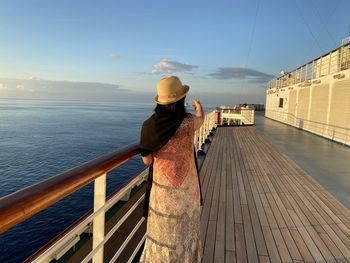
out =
column 173, row 224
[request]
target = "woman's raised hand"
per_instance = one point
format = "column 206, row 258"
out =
column 196, row 104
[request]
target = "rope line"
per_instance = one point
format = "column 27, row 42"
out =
column 324, row 25
column 243, row 82
column 308, row 26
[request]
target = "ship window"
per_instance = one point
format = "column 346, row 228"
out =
column 281, row 103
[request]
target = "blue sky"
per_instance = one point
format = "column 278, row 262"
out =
column 132, row 44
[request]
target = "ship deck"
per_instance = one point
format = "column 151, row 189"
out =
column 260, row 206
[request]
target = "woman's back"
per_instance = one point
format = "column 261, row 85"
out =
column 174, row 211
column 176, row 159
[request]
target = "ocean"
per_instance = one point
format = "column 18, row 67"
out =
column 39, row 139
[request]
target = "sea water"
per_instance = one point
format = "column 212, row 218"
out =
column 39, row 139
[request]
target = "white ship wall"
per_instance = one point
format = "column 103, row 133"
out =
column 321, row 106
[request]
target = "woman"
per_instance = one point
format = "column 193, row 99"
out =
column 174, row 204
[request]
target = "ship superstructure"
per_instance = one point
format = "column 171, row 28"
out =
column 316, row 96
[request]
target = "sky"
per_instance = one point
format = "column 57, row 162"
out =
column 226, row 51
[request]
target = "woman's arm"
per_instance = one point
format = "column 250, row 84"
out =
column 199, row 118
column 147, row 159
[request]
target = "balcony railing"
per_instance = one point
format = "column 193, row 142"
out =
column 329, row 131
column 330, row 63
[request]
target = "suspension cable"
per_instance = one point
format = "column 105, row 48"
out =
column 243, row 82
column 308, row 26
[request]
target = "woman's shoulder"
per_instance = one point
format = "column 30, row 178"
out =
column 189, row 117
column 188, row 120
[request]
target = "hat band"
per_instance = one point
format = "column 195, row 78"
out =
column 168, row 96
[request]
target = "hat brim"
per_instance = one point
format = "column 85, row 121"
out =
column 186, row 87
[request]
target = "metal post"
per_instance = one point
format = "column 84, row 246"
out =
column 206, row 125
column 99, row 220
column 199, row 138
column 341, row 58
column 203, row 131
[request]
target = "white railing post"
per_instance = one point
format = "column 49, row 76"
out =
column 99, row 220
column 340, row 58
column 199, row 139
column 196, row 140
column 305, row 75
column 202, row 134
column 208, row 119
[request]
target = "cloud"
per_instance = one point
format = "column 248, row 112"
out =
column 3, row 87
column 51, row 89
column 34, row 78
column 20, row 87
column 115, row 56
column 251, row 75
column 169, row 66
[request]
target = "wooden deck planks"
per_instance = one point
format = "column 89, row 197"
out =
column 259, row 206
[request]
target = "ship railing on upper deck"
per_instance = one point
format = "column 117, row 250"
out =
column 331, row 63
column 25, row 203
column 329, row 131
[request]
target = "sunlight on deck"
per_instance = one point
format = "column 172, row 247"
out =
column 259, row 206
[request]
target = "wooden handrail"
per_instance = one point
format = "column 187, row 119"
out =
column 20, row 205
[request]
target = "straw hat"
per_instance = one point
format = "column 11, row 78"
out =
column 170, row 90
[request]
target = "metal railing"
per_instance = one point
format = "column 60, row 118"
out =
column 330, row 63
column 25, row 203
column 329, row 131
column 202, row 133
column 20, row 205
column 245, row 115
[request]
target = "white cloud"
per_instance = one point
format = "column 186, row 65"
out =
column 252, row 75
column 20, row 87
column 3, row 87
column 68, row 90
column 169, row 66
column 115, row 56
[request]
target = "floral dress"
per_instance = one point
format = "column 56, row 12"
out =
column 173, row 225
